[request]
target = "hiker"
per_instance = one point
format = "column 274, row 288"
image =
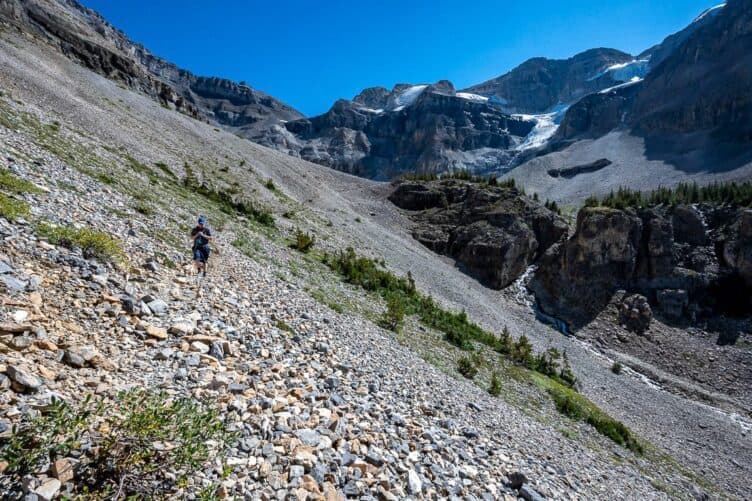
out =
column 201, row 236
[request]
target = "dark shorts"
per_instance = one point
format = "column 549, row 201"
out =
column 201, row 254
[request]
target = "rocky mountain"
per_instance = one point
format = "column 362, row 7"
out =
column 424, row 128
column 88, row 39
column 539, row 84
column 691, row 112
column 382, row 134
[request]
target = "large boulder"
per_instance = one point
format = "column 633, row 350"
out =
column 635, row 313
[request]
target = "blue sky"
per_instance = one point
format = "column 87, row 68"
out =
column 310, row 53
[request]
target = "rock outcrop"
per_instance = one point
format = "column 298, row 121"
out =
column 493, row 232
column 689, row 261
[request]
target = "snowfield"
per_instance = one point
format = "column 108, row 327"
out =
column 408, row 96
column 545, row 126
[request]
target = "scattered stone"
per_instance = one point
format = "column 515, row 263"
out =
column 530, row 494
column 48, row 490
column 157, row 307
column 24, row 379
column 62, row 469
column 156, row 332
column 414, row 484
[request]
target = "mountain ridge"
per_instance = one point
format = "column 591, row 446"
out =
column 86, row 37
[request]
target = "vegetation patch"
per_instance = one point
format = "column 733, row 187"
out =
column 495, row 387
column 303, row 242
column 684, row 193
column 143, row 208
column 467, row 367
column 133, row 442
column 550, row 369
column 394, row 315
column 165, row 169
column 93, row 243
column 227, row 201
column 15, row 185
column 577, row 407
column 12, row 209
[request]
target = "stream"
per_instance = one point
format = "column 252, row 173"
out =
column 524, row 296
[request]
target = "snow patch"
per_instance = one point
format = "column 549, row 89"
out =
column 408, row 96
column 624, row 72
column 711, row 11
column 472, row 97
column 633, row 81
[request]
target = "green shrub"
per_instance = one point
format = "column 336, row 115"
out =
column 133, row 442
column 552, row 206
column 577, row 407
column 284, row 326
column 12, row 209
column 522, row 352
column 591, row 201
column 270, row 185
column 303, row 242
column 395, row 313
column 466, row 367
column 165, row 169
column 15, row 185
column 143, row 208
column 495, row 386
column 616, row 368
column 93, row 243
column 105, row 178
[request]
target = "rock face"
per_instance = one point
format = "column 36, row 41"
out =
column 381, row 134
column 704, row 83
column 88, row 39
column 495, row 233
column 693, row 106
column 690, row 261
column 538, row 84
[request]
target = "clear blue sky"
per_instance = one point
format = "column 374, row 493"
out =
column 310, row 53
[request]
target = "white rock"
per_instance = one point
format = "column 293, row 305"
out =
column 48, row 490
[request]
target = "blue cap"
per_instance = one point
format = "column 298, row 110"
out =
column 202, row 220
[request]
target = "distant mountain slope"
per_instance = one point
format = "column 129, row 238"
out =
column 381, row 134
column 87, row 38
column 694, row 108
column 538, row 84
column 657, row 53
